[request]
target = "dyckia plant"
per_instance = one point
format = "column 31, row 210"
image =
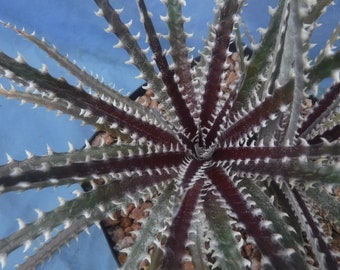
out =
column 225, row 152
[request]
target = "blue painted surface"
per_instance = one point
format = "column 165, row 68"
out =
column 74, row 29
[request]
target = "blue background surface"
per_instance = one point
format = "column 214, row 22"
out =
column 72, row 26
